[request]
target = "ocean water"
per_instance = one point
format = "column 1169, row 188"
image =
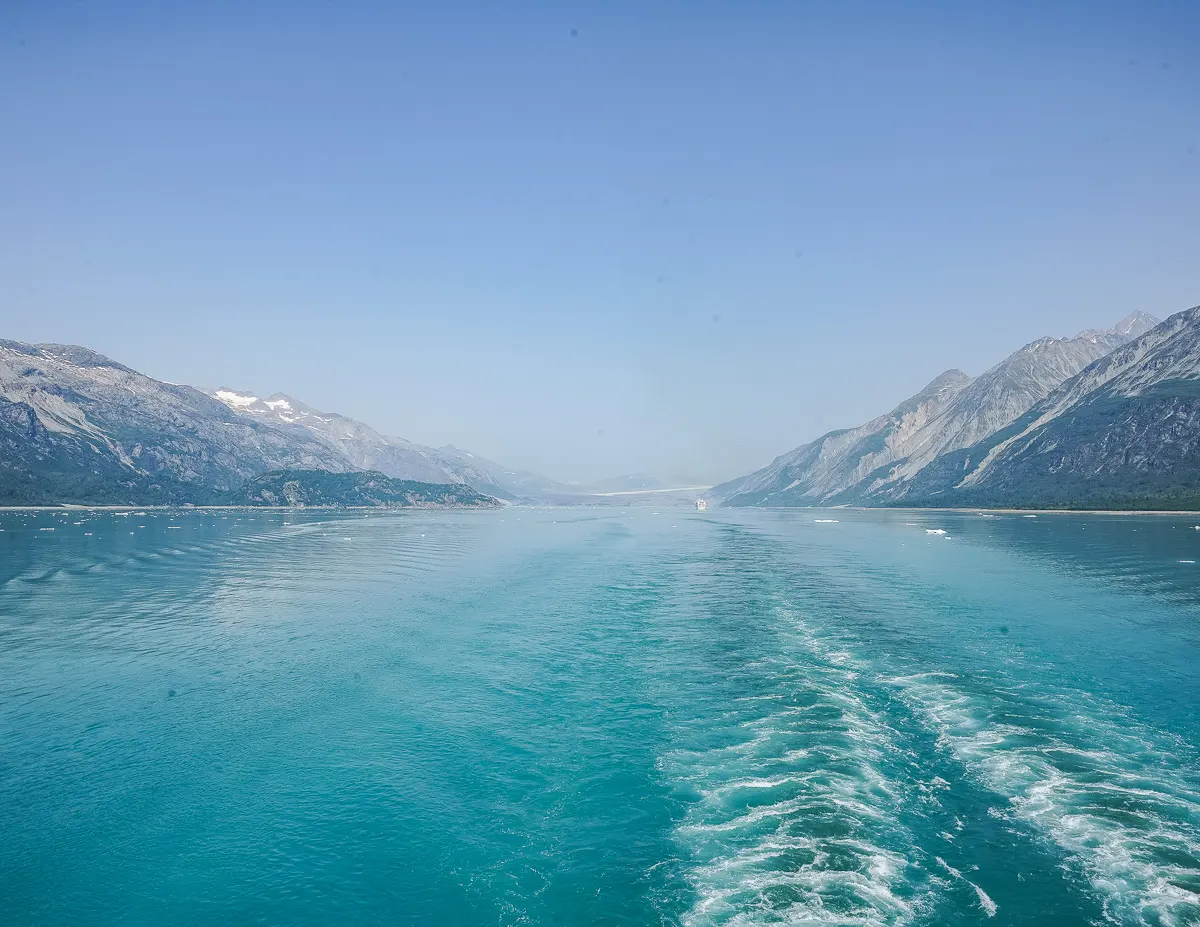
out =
column 599, row 717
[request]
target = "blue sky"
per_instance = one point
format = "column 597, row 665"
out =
column 595, row 238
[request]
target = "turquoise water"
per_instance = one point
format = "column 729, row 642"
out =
column 598, row 717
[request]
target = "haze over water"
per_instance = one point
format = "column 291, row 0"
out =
column 600, row 716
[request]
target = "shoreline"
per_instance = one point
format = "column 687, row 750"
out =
column 74, row 507
column 1010, row 511
column 249, row 508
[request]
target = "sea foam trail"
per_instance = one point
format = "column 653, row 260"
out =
column 1111, row 793
column 794, row 818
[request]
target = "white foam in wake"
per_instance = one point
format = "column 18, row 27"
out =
column 1108, row 792
column 795, row 822
column 988, row 906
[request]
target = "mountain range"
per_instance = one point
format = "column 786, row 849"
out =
column 1101, row 419
column 364, row 448
column 1108, row 418
column 1122, row 433
column 78, row 427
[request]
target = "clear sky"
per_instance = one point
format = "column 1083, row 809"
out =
column 676, row 238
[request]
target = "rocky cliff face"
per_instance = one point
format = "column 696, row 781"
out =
column 878, row 462
column 1000, row 396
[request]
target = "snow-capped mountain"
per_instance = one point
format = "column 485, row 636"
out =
column 76, row 425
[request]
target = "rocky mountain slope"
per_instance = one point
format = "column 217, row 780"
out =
column 836, row 461
column 363, row 448
column 1003, row 394
column 1123, row 433
column 877, row 461
column 77, row 426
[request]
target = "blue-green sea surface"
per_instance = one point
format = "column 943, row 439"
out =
column 599, row 716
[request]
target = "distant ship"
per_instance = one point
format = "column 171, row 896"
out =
column 701, row 505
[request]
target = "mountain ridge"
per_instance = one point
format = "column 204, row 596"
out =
column 364, row 448
column 73, row 418
column 1124, row 432
column 887, row 453
column 839, row 458
column 79, row 427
